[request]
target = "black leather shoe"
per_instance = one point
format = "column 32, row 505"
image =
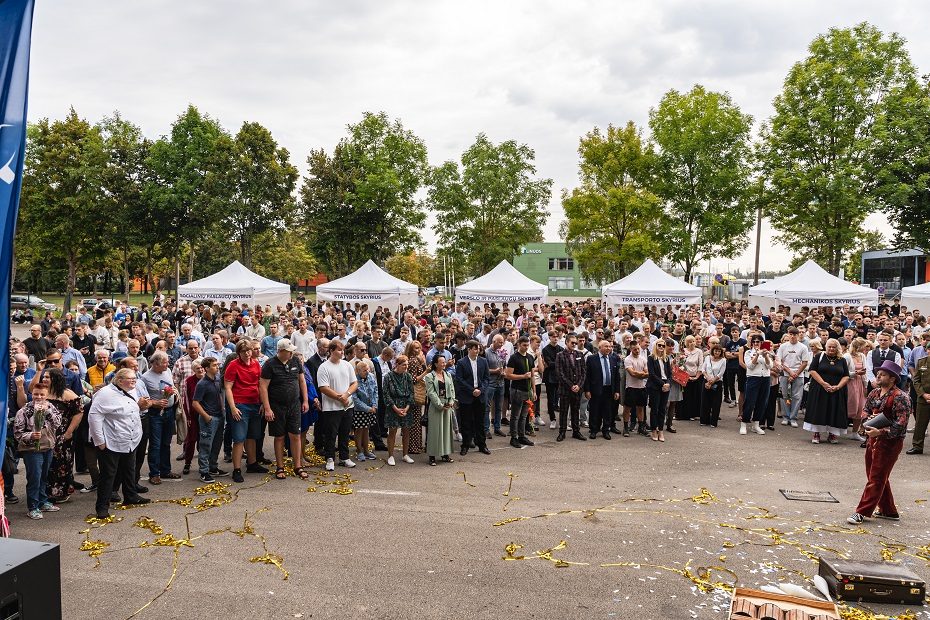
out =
column 605, row 435
column 577, row 435
column 914, row 451
column 526, row 442
column 592, row 435
column 615, row 430
column 500, row 433
column 515, row 443
column 463, row 451
column 561, row 436
column 381, row 447
column 141, row 489
column 139, row 501
column 669, row 429
column 484, row 450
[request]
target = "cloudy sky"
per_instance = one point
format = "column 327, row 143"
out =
column 543, row 73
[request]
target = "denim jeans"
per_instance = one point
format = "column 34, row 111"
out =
column 757, row 396
column 37, row 465
column 209, row 443
column 495, row 396
column 793, row 390
column 161, row 428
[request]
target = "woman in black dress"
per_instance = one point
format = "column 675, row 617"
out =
column 826, row 399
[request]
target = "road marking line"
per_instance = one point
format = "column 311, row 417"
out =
column 386, row 492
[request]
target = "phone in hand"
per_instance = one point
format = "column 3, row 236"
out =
column 766, row 345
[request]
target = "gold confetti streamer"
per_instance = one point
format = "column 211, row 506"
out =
column 274, row 560
column 149, row 524
column 510, row 477
column 168, row 540
column 464, row 479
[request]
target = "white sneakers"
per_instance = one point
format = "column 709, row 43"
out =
column 347, row 463
column 458, row 437
column 794, row 423
column 407, row 459
column 552, row 425
column 785, row 421
column 330, row 465
column 757, row 429
column 390, row 461
column 742, row 428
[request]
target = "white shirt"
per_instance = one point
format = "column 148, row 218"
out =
column 714, row 369
column 474, row 370
column 305, row 343
column 890, row 354
column 791, row 356
column 762, row 367
column 338, row 377
column 114, row 420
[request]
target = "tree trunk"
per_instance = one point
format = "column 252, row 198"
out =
column 190, row 263
column 71, row 281
column 126, row 280
column 148, row 271
column 245, row 250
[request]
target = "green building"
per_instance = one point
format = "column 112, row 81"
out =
column 551, row 264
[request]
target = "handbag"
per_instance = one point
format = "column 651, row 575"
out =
column 680, row 376
column 419, row 393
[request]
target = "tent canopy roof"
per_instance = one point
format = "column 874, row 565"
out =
column 650, row 279
column 369, row 278
column 503, row 281
column 811, row 285
column 235, row 276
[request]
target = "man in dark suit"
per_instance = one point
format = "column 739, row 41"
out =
column 601, row 389
column 570, row 374
column 471, row 387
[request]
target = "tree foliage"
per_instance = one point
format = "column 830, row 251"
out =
column 261, row 181
column 61, row 212
column 414, row 267
column 490, row 206
column 702, row 174
column 611, row 222
column 190, row 182
column 361, row 203
column 838, row 135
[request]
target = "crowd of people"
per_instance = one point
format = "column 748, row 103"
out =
column 107, row 392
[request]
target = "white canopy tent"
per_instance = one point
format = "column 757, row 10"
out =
column 811, row 285
column 237, row 283
column 502, row 284
column 917, row 297
column 650, row 285
column 371, row 285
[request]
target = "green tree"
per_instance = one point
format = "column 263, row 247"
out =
column 262, row 180
column 905, row 187
column 189, row 186
column 611, row 221
column 868, row 240
column 838, row 132
column 702, row 174
column 361, row 202
column 283, row 255
column 414, row 267
column 123, row 183
column 490, row 206
column 62, row 207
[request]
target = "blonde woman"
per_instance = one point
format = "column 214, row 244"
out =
column 658, row 386
column 416, row 366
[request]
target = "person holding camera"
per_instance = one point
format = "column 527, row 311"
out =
column 758, row 362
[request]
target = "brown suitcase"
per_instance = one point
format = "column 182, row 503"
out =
column 877, row 582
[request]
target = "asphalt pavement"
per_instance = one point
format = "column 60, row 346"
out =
column 414, row 541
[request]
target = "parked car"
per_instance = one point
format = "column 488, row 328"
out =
column 22, row 302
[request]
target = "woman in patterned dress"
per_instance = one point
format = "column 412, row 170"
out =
column 61, row 473
column 398, row 407
column 416, row 367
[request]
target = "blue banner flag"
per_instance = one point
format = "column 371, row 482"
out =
column 15, row 35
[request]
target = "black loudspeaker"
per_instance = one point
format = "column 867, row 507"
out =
column 30, row 580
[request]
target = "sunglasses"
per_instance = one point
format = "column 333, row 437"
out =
column 57, row 360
